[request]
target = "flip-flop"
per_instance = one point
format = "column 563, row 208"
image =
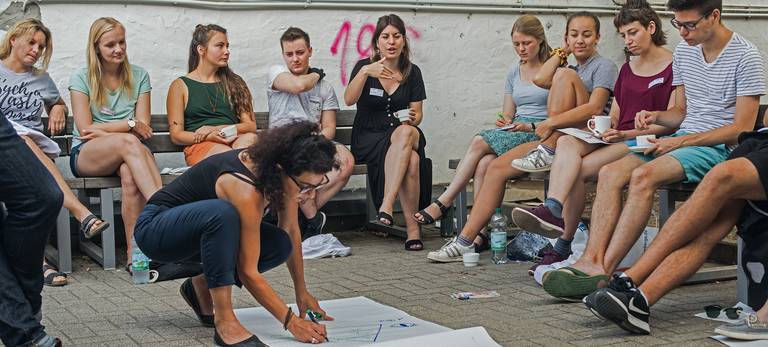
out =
column 575, row 298
column 562, row 284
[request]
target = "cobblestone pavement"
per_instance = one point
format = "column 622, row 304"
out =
column 105, row 308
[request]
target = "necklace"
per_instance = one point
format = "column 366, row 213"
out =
column 216, row 99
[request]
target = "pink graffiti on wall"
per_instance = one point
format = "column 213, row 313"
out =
column 363, row 44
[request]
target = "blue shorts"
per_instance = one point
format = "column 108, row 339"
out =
column 696, row 160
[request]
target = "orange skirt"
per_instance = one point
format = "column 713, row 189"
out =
column 193, row 154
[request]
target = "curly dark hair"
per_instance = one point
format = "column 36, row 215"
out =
column 298, row 148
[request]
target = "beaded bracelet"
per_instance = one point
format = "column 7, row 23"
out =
column 288, row 318
column 563, row 57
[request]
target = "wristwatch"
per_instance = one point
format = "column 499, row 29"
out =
column 131, row 123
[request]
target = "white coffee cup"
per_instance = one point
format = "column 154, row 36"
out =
column 599, row 124
column 403, row 115
column 228, row 133
column 471, row 259
column 642, row 141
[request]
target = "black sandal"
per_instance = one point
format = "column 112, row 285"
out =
column 87, row 224
column 429, row 219
column 389, row 220
column 410, row 243
column 48, row 281
column 485, row 246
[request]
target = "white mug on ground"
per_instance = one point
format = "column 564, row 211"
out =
column 403, row 115
column 471, row 259
column 228, row 133
column 599, row 124
column 642, row 141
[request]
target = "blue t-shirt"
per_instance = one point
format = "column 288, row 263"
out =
column 124, row 106
column 530, row 100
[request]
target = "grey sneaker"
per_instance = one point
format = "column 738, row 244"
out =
column 535, row 160
column 748, row 328
column 450, row 252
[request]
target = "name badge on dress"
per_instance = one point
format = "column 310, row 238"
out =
column 108, row 111
column 659, row 80
column 377, row 92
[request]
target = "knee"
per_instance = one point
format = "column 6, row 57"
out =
column 722, row 177
column 478, row 144
column 564, row 75
column 130, row 145
column 346, row 163
column 404, row 134
column 609, row 174
column 642, row 178
column 565, row 143
column 223, row 216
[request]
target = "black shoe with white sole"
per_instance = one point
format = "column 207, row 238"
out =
column 589, row 301
column 623, row 304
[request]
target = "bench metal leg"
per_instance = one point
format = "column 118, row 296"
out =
column 105, row 254
column 666, row 206
column 742, row 283
column 61, row 256
column 446, row 225
column 461, row 211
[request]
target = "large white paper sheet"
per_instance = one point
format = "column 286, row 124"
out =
column 738, row 343
column 468, row 337
column 358, row 322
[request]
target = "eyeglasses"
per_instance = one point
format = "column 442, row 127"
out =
column 690, row 26
column 713, row 311
column 307, row 189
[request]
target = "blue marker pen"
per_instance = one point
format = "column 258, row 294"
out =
column 314, row 320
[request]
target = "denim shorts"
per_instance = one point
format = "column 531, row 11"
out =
column 696, row 160
column 75, row 152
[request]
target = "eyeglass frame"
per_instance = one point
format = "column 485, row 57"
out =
column 305, row 190
column 677, row 25
column 729, row 312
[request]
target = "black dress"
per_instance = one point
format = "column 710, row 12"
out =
column 373, row 126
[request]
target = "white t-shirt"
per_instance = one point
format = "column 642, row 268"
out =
column 711, row 88
column 285, row 107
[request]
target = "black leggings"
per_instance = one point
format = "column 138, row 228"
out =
column 206, row 231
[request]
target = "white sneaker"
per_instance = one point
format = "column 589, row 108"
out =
column 536, row 160
column 450, row 252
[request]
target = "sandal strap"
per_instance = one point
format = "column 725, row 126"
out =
column 88, row 222
column 442, row 207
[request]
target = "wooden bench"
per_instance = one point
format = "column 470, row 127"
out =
column 61, row 255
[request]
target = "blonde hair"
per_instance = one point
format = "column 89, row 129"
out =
column 29, row 27
column 531, row 26
column 96, row 72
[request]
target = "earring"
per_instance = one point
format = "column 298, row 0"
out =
column 377, row 51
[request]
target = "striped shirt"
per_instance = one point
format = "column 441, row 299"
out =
column 711, row 88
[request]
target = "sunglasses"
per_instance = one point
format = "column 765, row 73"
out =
column 713, row 311
column 307, row 189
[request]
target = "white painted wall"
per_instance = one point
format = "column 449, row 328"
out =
column 464, row 57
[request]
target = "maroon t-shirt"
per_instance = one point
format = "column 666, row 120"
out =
column 636, row 93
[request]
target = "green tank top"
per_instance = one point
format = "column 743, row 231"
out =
column 200, row 107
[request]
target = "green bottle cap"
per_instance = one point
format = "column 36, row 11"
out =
column 498, row 210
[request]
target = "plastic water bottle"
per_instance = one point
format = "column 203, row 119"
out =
column 498, row 238
column 140, row 264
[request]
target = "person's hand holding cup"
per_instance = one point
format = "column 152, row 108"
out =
column 644, row 140
column 599, row 124
column 228, row 133
column 403, row 115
